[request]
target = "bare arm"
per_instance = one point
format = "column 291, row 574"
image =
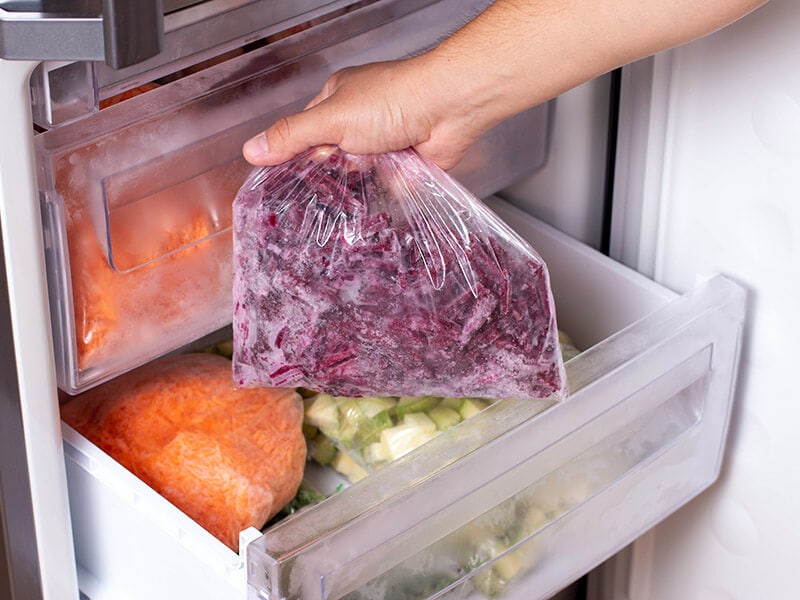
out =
column 515, row 55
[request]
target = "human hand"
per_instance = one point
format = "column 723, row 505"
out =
column 376, row 108
column 514, row 55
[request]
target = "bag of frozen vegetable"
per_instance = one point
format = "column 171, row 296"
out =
column 380, row 275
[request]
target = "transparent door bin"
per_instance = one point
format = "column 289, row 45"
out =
column 525, row 498
column 137, row 196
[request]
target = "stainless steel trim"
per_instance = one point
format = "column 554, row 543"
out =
column 122, row 33
column 132, row 31
column 44, row 36
column 211, row 28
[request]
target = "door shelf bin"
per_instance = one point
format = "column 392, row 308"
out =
column 521, row 499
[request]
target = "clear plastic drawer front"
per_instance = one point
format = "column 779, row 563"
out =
column 137, row 196
column 524, row 498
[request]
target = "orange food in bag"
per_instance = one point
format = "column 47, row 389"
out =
column 229, row 458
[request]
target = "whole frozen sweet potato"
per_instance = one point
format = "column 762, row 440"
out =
column 229, row 458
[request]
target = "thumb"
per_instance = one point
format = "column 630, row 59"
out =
column 288, row 137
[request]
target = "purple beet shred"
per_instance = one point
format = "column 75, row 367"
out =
column 381, row 276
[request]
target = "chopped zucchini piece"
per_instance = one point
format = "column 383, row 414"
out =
column 444, row 417
column 419, row 421
column 470, row 407
column 370, row 430
column 376, row 453
column 348, row 467
column 412, row 404
column 454, row 403
column 361, row 420
column 323, row 450
column 507, row 566
column 402, row 439
column 373, row 405
column 322, row 411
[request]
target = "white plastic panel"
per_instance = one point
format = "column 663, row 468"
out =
column 27, row 298
column 575, row 171
column 123, row 530
column 724, row 188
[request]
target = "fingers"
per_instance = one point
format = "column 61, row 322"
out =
column 288, row 137
column 292, row 135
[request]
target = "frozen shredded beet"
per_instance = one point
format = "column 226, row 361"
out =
column 381, row 276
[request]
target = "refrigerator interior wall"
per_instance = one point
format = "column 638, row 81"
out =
column 568, row 191
column 722, row 191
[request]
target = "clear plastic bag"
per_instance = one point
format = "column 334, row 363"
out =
column 380, row 275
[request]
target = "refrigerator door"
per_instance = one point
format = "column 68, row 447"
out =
column 35, row 509
column 723, row 117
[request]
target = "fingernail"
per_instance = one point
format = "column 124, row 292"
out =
column 256, row 148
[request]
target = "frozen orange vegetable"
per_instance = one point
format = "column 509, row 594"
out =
column 229, row 458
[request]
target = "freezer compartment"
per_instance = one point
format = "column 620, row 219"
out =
column 521, row 499
column 137, row 197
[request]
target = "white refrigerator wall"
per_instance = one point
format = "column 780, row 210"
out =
column 721, row 190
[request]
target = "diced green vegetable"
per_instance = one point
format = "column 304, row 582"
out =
column 322, row 411
column 410, row 404
column 376, row 453
column 454, row 403
column 323, row 450
column 402, row 439
column 508, row 566
column 372, row 405
column 419, row 421
column 470, row 407
column 357, row 426
column 348, row 467
column 444, row 417
column 351, row 418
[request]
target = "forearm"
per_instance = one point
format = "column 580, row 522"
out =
column 520, row 53
column 515, row 55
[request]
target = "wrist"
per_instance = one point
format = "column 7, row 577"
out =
column 462, row 95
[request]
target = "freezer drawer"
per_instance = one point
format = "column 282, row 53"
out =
column 137, row 197
column 517, row 501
